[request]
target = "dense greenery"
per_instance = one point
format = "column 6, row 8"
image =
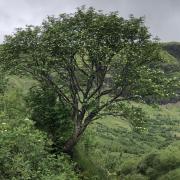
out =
column 173, row 48
column 111, row 150
column 89, row 69
column 23, row 154
column 161, row 165
column 73, row 55
column 172, row 67
column 24, row 150
column 50, row 115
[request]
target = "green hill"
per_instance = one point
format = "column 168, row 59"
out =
column 171, row 54
column 173, row 48
column 110, row 149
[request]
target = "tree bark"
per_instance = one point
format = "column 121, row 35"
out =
column 72, row 141
column 69, row 146
column 78, row 131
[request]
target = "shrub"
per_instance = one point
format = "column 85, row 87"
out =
column 158, row 163
column 50, row 114
column 24, row 155
column 171, row 175
column 128, row 167
column 135, row 177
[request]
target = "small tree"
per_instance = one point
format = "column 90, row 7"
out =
column 92, row 60
column 50, row 115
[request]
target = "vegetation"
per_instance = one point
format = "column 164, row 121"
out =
column 172, row 67
column 50, row 115
column 24, row 150
column 73, row 55
column 24, row 154
column 173, row 48
column 111, row 150
column 94, row 70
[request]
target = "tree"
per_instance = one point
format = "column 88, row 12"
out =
column 92, row 61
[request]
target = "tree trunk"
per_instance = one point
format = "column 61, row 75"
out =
column 72, row 141
column 69, row 145
column 79, row 129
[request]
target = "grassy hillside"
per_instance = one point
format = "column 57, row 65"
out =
column 110, row 143
column 173, row 48
column 25, row 150
column 110, row 149
column 171, row 54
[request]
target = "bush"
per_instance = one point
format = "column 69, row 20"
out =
column 24, row 155
column 128, row 167
column 50, row 114
column 161, row 165
column 158, row 163
column 3, row 81
column 135, row 177
column 172, row 175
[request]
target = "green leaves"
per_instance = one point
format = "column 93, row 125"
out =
column 74, row 55
column 24, row 155
column 131, row 112
column 85, row 44
column 50, row 115
column 3, row 82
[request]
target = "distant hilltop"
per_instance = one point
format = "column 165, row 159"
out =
column 173, row 48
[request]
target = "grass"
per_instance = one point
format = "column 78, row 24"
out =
column 109, row 142
column 23, row 84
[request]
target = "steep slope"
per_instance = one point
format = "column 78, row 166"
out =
column 171, row 53
column 111, row 150
column 173, row 48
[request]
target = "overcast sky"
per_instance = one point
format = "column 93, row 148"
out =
column 162, row 16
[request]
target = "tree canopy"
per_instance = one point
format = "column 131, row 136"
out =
column 92, row 61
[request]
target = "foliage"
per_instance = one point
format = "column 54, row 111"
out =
column 24, row 155
column 172, row 68
column 173, row 175
column 3, row 82
column 109, row 148
column 12, row 103
column 130, row 112
column 157, row 164
column 24, row 150
column 50, row 115
column 74, row 55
